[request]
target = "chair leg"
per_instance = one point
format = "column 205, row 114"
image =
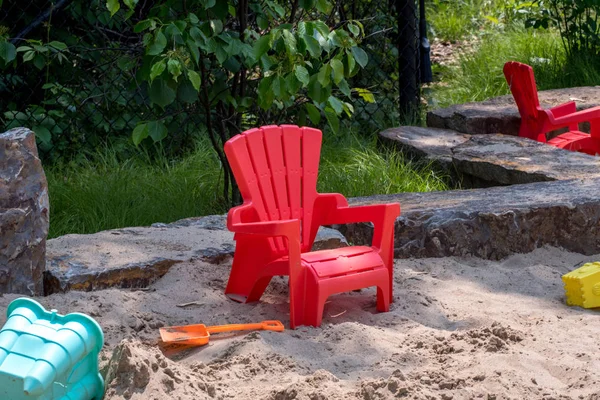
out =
column 246, row 282
column 383, row 298
column 258, row 289
column 306, row 306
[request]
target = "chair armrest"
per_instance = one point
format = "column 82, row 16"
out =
column 289, row 228
column 382, row 216
column 564, row 109
column 574, row 118
column 369, row 213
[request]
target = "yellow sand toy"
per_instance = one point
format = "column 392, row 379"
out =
column 582, row 286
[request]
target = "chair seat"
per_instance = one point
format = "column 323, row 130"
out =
column 343, row 261
column 577, row 141
column 563, row 139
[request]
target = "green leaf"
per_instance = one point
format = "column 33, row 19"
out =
column 232, row 65
column 278, row 9
column 313, row 113
column 186, row 92
column 262, row 22
column 142, row 26
column 265, row 93
column 216, row 26
column 198, row 36
column 323, row 6
column 344, row 88
column 193, row 18
column 28, row 56
column 293, row 84
column 306, row 4
column 39, row 61
column 42, row 133
column 322, row 28
column 290, row 43
column 338, row 70
column 193, row 50
column 8, row 52
column 349, row 64
column 324, row 76
column 336, row 104
column 209, row 3
column 354, row 29
column 332, row 120
column 261, row 46
column 314, row 89
column 313, row 46
column 130, row 3
column 113, row 6
column 161, row 93
column 157, row 69
column 174, row 68
column 194, row 79
column 360, row 56
column 365, row 94
column 40, row 49
column 24, row 48
column 58, row 45
column 158, row 44
column 157, row 130
column 139, row 133
column 302, row 74
column 349, row 109
column 276, row 86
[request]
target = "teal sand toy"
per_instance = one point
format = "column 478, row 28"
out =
column 48, row 356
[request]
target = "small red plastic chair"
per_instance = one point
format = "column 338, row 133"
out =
column 537, row 122
column 276, row 171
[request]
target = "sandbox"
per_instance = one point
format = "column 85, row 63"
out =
column 459, row 328
column 478, row 313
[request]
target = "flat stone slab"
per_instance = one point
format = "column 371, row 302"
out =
column 429, row 143
column 136, row 257
column 492, row 223
column 492, row 159
column 500, row 114
column 509, row 160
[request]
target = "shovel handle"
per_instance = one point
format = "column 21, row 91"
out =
column 275, row 326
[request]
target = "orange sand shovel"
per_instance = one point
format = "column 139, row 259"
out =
column 199, row 334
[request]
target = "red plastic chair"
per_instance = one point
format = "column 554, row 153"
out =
column 537, row 122
column 276, row 171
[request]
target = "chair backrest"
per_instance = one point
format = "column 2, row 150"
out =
column 521, row 82
column 276, row 169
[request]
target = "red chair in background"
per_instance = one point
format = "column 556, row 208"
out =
column 276, row 171
column 537, row 122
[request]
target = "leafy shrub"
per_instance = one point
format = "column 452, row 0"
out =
column 577, row 21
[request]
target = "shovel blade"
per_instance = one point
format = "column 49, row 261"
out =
column 196, row 335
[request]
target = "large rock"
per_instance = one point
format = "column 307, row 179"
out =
column 23, row 214
column 509, row 160
column 492, row 159
column 429, row 143
column 492, row 223
column 500, row 114
column 136, row 257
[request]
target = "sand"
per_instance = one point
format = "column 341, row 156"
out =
column 458, row 329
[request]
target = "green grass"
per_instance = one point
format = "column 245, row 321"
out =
column 453, row 20
column 495, row 33
column 478, row 75
column 107, row 193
